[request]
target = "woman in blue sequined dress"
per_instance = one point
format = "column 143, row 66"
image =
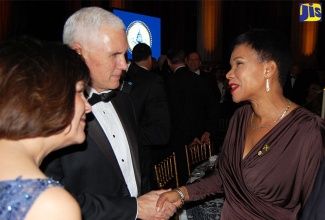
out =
column 42, row 109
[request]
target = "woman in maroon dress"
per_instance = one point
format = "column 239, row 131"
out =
column 273, row 147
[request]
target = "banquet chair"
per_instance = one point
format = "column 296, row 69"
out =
column 195, row 154
column 166, row 173
column 167, row 176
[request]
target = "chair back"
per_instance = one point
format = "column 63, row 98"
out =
column 196, row 154
column 166, row 173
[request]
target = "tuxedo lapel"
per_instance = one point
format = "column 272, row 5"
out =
column 125, row 119
column 97, row 134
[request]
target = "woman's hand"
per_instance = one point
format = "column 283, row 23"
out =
column 170, row 196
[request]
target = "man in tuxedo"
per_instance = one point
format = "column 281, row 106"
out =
column 150, row 103
column 104, row 172
column 193, row 112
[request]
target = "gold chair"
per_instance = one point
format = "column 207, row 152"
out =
column 167, row 176
column 195, row 154
column 166, row 173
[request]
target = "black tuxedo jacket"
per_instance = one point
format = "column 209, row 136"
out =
column 91, row 172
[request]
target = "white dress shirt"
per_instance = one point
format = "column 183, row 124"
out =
column 111, row 124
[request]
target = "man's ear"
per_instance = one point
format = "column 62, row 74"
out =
column 77, row 48
column 150, row 58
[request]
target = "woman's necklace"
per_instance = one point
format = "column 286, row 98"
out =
column 276, row 120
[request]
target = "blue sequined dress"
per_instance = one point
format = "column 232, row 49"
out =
column 17, row 196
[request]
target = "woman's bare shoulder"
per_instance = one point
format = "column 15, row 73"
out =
column 54, row 203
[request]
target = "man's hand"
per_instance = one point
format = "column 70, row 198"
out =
column 205, row 138
column 196, row 141
column 147, row 206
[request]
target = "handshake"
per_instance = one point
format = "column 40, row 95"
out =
column 159, row 204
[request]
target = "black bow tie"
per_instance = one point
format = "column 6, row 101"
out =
column 104, row 97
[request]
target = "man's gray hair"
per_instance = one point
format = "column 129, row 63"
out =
column 87, row 21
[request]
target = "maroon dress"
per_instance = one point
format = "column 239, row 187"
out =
column 271, row 185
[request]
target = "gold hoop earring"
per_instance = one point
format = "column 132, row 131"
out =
column 267, row 87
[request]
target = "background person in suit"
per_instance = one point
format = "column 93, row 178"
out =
column 193, row 113
column 150, row 103
column 43, row 109
column 163, row 68
column 104, row 172
column 296, row 87
column 194, row 63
